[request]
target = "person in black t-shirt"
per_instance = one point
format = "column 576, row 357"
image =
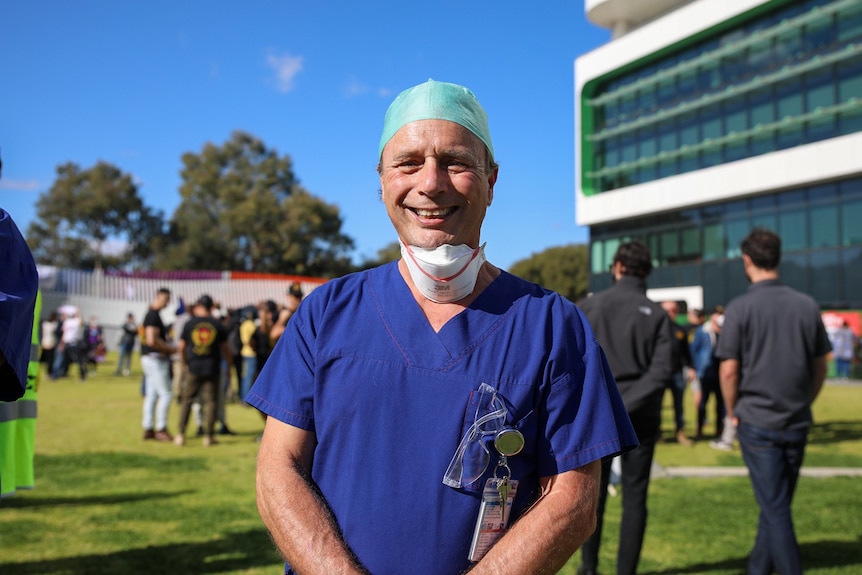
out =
column 202, row 347
column 156, row 353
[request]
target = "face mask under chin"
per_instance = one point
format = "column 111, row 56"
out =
column 446, row 273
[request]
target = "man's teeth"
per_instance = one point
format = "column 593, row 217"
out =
column 438, row 213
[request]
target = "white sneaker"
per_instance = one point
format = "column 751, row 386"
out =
column 721, row 445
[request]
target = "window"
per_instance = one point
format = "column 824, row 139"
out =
column 666, row 95
column 851, row 223
column 789, row 98
column 628, row 150
column 687, row 86
column 762, row 109
column 820, row 128
column 691, row 243
column 736, row 117
column 688, row 130
column 628, row 106
column 823, row 272
column 666, row 136
column 709, row 77
column 794, row 269
column 789, row 137
column 612, row 152
column 759, row 59
column 732, row 68
column 824, row 226
column 611, row 115
column 849, row 23
column 819, row 90
column 762, row 144
column 793, row 227
column 849, row 87
column 596, row 259
column 852, row 267
column 817, row 36
column 669, row 247
column 736, row 232
column 788, row 46
column 646, row 100
column 710, row 119
column 849, row 79
column 713, row 241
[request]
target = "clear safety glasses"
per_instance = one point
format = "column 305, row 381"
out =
column 472, row 457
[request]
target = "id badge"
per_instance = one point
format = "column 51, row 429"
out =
column 491, row 523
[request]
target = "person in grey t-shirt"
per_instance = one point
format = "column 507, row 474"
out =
column 773, row 353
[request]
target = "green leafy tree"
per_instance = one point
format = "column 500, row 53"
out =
column 563, row 269
column 243, row 208
column 83, row 211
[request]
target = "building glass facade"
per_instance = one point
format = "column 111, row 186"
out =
column 820, row 227
column 767, row 81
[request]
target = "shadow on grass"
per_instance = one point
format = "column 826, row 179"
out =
column 835, row 432
column 815, row 555
column 233, row 552
column 35, row 502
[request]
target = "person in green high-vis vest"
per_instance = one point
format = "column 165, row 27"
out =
column 19, row 354
column 18, row 425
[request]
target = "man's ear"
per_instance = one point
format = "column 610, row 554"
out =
column 492, row 179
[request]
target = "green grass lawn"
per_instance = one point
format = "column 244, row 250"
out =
column 107, row 502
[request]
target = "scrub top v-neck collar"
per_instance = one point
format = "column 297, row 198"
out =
column 411, row 331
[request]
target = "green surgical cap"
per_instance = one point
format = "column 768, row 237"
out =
column 436, row 101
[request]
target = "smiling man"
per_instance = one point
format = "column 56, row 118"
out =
column 435, row 414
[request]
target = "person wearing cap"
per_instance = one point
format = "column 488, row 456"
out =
column 202, row 347
column 636, row 334
column 773, row 351
column 413, row 405
column 156, row 353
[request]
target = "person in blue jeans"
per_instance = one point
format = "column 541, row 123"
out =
column 773, row 352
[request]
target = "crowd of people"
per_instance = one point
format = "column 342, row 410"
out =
column 179, row 361
column 66, row 340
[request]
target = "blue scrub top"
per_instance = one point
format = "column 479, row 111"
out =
column 19, row 283
column 389, row 400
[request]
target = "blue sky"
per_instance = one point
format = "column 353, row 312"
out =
column 138, row 84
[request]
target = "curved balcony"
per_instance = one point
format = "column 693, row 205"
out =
column 619, row 15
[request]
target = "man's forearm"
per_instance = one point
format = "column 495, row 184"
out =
column 728, row 372
column 299, row 521
column 551, row 530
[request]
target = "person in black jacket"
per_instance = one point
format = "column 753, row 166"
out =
column 635, row 334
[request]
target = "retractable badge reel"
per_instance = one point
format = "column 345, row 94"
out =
column 497, row 496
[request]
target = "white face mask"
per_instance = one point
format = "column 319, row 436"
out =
column 446, row 273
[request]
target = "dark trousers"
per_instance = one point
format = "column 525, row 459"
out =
column 773, row 458
column 636, row 466
column 677, row 390
column 710, row 386
column 206, row 386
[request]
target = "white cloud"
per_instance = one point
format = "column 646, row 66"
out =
column 20, row 185
column 286, row 67
column 355, row 88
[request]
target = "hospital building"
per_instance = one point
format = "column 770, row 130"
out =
column 700, row 120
